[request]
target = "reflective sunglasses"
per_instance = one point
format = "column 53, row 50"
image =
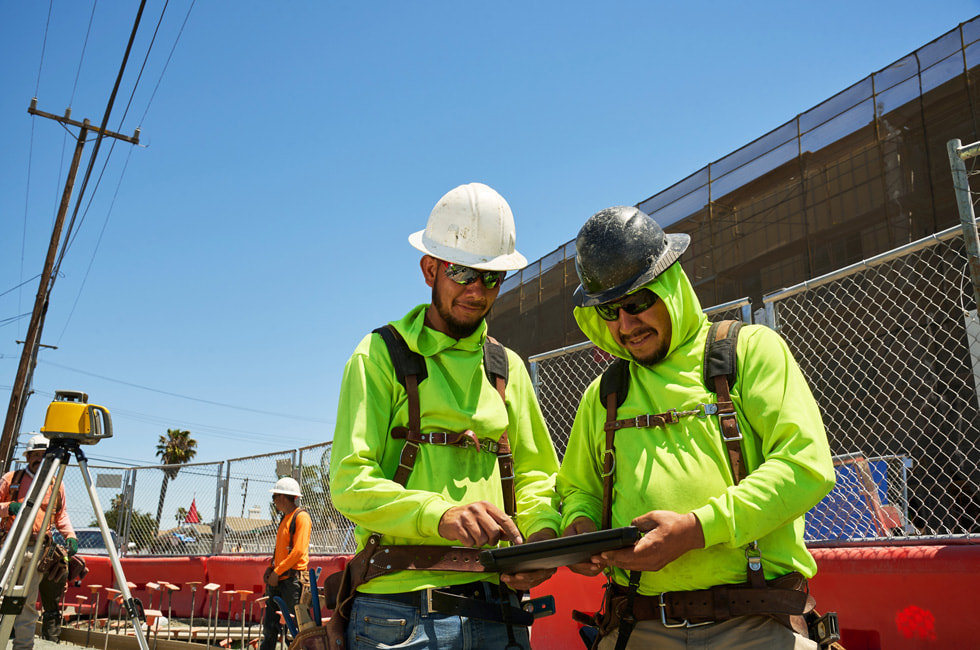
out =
column 465, row 275
column 633, row 304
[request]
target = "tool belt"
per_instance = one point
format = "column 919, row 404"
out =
column 53, row 564
column 471, row 600
column 302, row 576
column 784, row 599
column 374, row 560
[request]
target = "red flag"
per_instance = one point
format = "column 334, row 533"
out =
column 192, row 516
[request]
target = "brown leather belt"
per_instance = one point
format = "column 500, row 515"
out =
column 784, row 596
column 473, row 600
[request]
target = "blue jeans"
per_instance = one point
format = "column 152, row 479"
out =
column 377, row 623
column 291, row 591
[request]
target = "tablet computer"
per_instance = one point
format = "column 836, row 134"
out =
column 553, row 553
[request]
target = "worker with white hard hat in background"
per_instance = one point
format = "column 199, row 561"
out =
column 287, row 575
column 439, row 442
column 14, row 488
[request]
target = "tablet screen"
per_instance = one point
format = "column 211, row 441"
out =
column 554, row 553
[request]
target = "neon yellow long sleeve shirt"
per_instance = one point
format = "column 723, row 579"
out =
column 455, row 396
column 684, row 468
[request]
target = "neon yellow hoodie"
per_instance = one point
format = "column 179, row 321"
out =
column 456, row 396
column 684, row 468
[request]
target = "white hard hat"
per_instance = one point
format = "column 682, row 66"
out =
column 36, row 443
column 288, row 486
column 471, row 225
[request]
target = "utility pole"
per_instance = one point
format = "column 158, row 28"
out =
column 32, row 342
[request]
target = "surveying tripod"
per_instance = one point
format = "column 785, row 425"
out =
column 17, row 569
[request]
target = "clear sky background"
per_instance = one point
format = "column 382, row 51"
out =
column 221, row 272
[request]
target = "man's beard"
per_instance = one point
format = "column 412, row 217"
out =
column 651, row 359
column 457, row 328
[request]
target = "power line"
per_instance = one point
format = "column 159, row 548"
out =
column 99, row 138
column 169, row 57
column 187, row 397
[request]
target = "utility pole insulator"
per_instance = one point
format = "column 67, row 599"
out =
column 32, row 342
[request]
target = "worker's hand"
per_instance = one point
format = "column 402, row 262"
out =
column 272, row 578
column 668, row 535
column 72, row 544
column 14, row 507
column 478, row 524
column 590, row 567
column 526, row 580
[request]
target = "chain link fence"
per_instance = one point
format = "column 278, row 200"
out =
column 204, row 508
column 891, row 349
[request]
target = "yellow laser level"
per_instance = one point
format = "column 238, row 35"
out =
column 71, row 416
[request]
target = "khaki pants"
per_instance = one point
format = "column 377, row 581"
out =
column 25, row 622
column 742, row 633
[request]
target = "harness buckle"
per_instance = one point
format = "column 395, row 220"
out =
column 684, row 623
column 738, row 430
column 641, row 421
column 705, row 410
column 612, row 465
column 754, row 556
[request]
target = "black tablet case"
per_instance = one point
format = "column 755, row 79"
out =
column 554, row 553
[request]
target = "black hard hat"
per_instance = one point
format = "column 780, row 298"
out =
column 619, row 250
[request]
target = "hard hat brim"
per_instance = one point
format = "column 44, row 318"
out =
column 509, row 262
column 288, row 494
column 676, row 245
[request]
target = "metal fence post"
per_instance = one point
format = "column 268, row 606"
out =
column 964, row 202
column 220, row 499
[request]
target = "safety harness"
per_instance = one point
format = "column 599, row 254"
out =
column 18, row 493
column 376, row 559
column 785, row 598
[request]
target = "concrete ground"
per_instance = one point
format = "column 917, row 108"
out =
column 41, row 644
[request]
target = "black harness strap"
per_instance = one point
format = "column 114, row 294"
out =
column 15, row 481
column 719, row 369
column 292, row 528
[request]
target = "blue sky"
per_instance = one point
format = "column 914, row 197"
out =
column 224, row 269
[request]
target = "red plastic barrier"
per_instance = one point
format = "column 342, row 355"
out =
column 571, row 591
column 175, row 570
column 245, row 572
column 99, row 573
column 885, row 596
column 139, row 571
column 900, row 596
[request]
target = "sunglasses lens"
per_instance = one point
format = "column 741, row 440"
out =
column 465, row 275
column 461, row 274
column 491, row 278
column 634, row 304
column 607, row 312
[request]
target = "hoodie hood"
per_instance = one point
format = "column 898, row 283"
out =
column 686, row 316
column 429, row 342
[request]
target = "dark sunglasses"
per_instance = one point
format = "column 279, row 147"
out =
column 633, row 304
column 465, row 275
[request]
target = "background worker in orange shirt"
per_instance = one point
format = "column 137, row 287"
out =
column 287, row 577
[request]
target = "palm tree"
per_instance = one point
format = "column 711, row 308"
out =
column 176, row 448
